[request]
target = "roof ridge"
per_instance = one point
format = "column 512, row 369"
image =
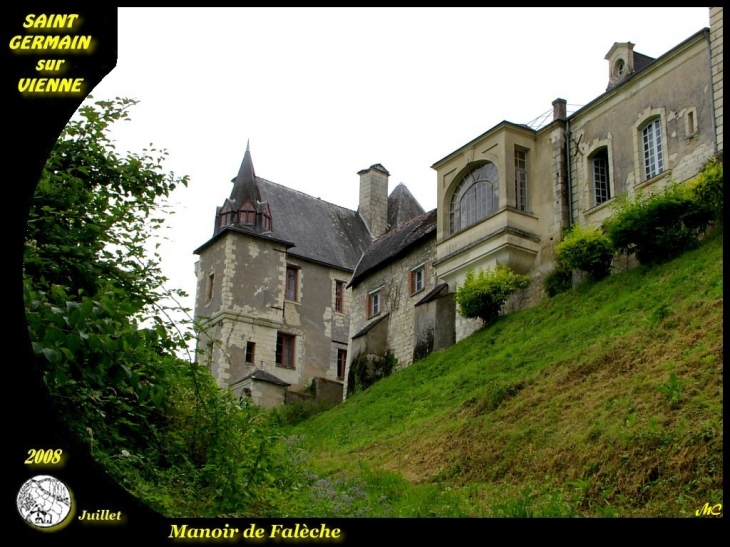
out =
column 310, row 196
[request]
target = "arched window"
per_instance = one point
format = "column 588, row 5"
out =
column 247, row 213
column 476, row 197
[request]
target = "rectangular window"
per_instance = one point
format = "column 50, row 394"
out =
column 339, row 296
column 521, row 180
column 418, row 279
column 285, row 350
column 374, row 303
column 341, row 363
column 651, row 137
column 601, row 185
column 211, row 285
column 250, row 353
column 291, row 283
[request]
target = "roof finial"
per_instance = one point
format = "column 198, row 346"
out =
column 248, row 148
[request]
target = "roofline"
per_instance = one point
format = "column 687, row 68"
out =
column 646, row 70
column 494, row 128
column 232, row 229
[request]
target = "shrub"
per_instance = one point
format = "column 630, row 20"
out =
column 365, row 372
column 707, row 187
column 484, row 293
column 586, row 249
column 661, row 226
column 558, row 280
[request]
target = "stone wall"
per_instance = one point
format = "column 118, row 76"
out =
column 396, row 300
column 716, row 62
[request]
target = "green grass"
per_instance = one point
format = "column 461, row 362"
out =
column 602, row 401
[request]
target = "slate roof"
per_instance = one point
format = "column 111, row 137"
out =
column 313, row 229
column 263, row 376
column 369, row 327
column 642, row 61
column 394, row 244
column 439, row 290
column 321, row 231
column 402, row 206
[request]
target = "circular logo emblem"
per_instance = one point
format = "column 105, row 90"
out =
column 44, row 501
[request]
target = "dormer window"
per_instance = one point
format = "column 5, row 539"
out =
column 227, row 218
column 247, row 214
column 619, row 68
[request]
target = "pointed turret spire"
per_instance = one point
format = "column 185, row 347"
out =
column 245, row 185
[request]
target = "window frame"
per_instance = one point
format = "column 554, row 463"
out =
column 340, row 296
column 291, row 294
column 285, row 353
column 600, row 189
column 481, row 180
column 341, row 363
column 250, row 357
column 374, row 302
column 413, row 286
column 211, row 287
column 652, row 148
column 520, row 182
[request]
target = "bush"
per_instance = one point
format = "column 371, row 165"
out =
column 558, row 280
column 661, row 226
column 484, row 293
column 364, row 372
column 707, row 187
column 586, row 249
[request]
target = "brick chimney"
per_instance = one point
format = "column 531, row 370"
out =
column 373, row 207
column 560, row 110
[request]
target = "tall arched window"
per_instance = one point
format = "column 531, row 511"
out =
column 475, row 198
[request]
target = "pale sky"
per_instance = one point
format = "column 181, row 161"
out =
column 325, row 92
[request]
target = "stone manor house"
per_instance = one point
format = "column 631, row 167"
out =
column 293, row 289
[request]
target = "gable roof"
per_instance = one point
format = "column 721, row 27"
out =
column 321, row 231
column 402, row 206
column 394, row 244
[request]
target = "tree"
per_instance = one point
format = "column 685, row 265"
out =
column 108, row 351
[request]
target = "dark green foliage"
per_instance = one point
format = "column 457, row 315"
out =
column 660, row 226
column 484, row 293
column 558, row 280
column 708, row 187
column 108, row 349
column 365, row 372
column 586, row 249
column 291, row 414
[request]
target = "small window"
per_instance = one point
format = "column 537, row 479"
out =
column 285, row 350
column 227, row 218
column 600, row 173
column 247, row 213
column 250, row 353
column 211, row 285
column 339, row 296
column 291, row 283
column 266, row 224
column 418, row 279
column 341, row 363
column 651, row 138
column 520, row 180
column 373, row 303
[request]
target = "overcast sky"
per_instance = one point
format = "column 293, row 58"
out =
column 324, row 92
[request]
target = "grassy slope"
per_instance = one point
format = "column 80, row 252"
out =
column 566, row 408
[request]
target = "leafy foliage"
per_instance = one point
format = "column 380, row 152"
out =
column 586, row 249
column 365, row 372
column 707, row 187
column 484, row 293
column 660, row 226
column 108, row 349
column 559, row 280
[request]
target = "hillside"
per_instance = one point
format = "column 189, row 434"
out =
column 604, row 401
